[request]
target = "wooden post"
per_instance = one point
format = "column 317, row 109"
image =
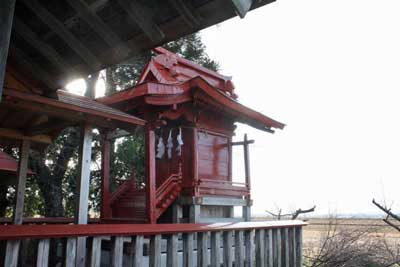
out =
column 81, row 212
column 12, row 248
column 246, row 209
column 195, row 163
column 6, row 17
column 150, row 174
column 105, row 178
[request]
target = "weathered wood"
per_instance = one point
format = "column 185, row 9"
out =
column 202, row 250
column 59, row 28
column 21, row 182
column 228, row 257
column 246, row 213
column 101, row 28
column 155, row 251
column 47, row 51
column 143, row 17
column 12, row 252
column 285, row 239
column 299, row 246
column 260, row 248
column 150, row 174
column 95, row 258
column 195, row 159
column 187, row 14
column 246, row 162
column 70, row 253
column 292, row 246
column 81, row 213
column 177, row 213
column 105, row 179
column 215, row 249
column 194, row 213
column 188, row 250
column 269, row 260
column 136, row 253
column 6, row 20
column 278, row 247
column 172, row 250
column 239, row 250
column 117, row 251
column 43, row 253
column 249, row 248
column 18, row 135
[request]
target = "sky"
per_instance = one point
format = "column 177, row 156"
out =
column 330, row 71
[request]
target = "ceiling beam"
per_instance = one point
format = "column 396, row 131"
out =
column 187, row 14
column 58, row 27
column 18, row 135
column 47, row 51
column 97, row 24
column 6, row 17
column 46, row 127
column 143, row 17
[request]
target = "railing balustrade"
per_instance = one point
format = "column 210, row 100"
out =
column 271, row 244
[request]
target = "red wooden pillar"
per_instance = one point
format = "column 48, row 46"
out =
column 195, row 170
column 105, row 178
column 150, row 173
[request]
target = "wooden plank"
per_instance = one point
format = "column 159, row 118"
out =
column 172, row 250
column 188, row 255
column 292, row 246
column 239, row 250
column 155, row 251
column 117, row 251
column 299, row 246
column 249, row 248
column 95, row 258
column 70, row 253
column 278, row 247
column 260, row 248
column 227, row 240
column 58, row 27
column 21, row 182
column 101, row 28
column 105, row 211
column 202, row 250
column 189, row 15
column 6, row 20
column 215, row 249
column 150, row 174
column 81, row 213
column 12, row 252
column 43, row 253
column 18, row 135
column 137, row 251
column 269, row 260
column 285, row 241
column 143, row 17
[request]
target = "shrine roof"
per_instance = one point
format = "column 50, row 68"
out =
column 9, row 164
column 169, row 79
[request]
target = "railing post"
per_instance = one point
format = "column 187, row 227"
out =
column 260, row 250
column 202, row 250
column 155, row 251
column 215, row 249
column 117, row 251
column 249, row 248
column 70, row 254
column 172, row 250
column 239, row 253
column 228, row 258
column 95, row 259
column 299, row 246
column 269, row 260
column 43, row 253
column 188, row 249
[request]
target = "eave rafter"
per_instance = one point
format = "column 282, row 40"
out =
column 58, row 27
column 142, row 16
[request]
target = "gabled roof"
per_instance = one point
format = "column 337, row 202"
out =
column 169, row 79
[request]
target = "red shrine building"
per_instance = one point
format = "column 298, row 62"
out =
column 191, row 113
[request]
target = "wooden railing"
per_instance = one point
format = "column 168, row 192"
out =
column 271, row 244
column 223, row 187
column 167, row 186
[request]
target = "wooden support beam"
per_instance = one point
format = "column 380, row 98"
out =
column 242, row 6
column 58, row 27
column 97, row 24
column 142, row 16
column 187, row 14
column 242, row 143
column 81, row 212
column 17, row 135
column 12, row 249
column 247, row 161
column 105, row 178
column 150, row 174
column 47, row 51
column 6, row 19
column 47, row 127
